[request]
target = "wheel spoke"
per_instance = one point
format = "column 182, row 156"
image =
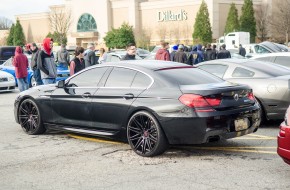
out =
column 23, row 110
column 136, row 130
column 24, row 122
column 135, row 137
column 152, row 138
column 139, row 142
column 144, row 146
column 33, row 123
column 149, row 144
column 137, row 123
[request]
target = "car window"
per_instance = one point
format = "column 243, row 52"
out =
column 260, row 49
column 89, row 78
column 283, row 60
column 120, row 78
column 241, row 72
column 189, row 76
column 216, row 69
column 115, row 58
column 141, row 81
column 264, row 58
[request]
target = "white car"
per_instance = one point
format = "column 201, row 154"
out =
column 281, row 58
column 7, row 82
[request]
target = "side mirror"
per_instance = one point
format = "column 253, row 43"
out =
column 60, row 84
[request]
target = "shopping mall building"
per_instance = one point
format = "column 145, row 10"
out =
column 171, row 20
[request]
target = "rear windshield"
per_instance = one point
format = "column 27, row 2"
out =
column 188, row 76
column 268, row 68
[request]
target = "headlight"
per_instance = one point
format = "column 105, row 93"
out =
column 11, row 78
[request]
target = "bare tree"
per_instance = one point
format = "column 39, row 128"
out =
column 143, row 38
column 5, row 23
column 281, row 19
column 60, row 21
column 161, row 31
column 262, row 20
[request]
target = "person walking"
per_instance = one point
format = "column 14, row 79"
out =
column 242, row 50
column 90, row 56
column 78, row 63
column 163, row 53
column 180, row 56
column 20, row 62
column 131, row 52
column 223, row 53
column 62, row 57
column 200, row 57
column 45, row 62
column 33, row 64
column 214, row 52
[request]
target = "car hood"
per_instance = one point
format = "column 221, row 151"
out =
column 5, row 74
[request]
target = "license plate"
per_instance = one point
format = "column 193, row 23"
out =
column 241, row 124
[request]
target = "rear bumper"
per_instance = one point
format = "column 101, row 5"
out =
column 203, row 129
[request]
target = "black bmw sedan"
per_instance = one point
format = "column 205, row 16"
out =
column 150, row 104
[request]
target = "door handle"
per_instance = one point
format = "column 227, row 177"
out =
column 128, row 96
column 86, row 95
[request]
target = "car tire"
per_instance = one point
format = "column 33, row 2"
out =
column 29, row 118
column 145, row 135
column 263, row 112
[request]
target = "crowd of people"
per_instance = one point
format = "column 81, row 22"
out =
column 44, row 63
column 195, row 54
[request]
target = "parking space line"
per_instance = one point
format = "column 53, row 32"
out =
column 93, row 139
column 256, row 137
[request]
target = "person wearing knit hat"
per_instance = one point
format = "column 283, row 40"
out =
column 45, row 62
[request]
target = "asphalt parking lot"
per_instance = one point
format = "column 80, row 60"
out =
column 67, row 161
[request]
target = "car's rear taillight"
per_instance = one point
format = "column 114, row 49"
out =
column 251, row 96
column 201, row 103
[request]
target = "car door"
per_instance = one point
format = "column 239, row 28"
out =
column 72, row 104
column 112, row 101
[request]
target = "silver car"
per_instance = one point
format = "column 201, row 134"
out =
column 7, row 82
column 270, row 82
column 281, row 58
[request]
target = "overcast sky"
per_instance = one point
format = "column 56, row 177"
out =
column 10, row 8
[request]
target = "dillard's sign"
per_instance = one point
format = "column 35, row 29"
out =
column 164, row 16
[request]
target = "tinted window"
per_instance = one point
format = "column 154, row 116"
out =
column 120, row 77
column 283, row 60
column 241, row 72
column 141, row 81
column 218, row 70
column 268, row 68
column 189, row 76
column 89, row 78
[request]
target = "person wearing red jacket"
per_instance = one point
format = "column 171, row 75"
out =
column 20, row 62
column 163, row 53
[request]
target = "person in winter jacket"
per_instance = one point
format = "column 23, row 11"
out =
column 223, row 53
column 78, row 63
column 242, row 50
column 90, row 56
column 62, row 57
column 33, row 64
column 20, row 62
column 174, row 50
column 180, row 56
column 200, row 53
column 131, row 52
column 45, row 62
column 163, row 53
column 209, row 53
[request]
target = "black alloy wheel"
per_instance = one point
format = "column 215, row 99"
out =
column 145, row 135
column 29, row 118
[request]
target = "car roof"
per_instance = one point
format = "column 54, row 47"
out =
column 148, row 64
column 271, row 54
